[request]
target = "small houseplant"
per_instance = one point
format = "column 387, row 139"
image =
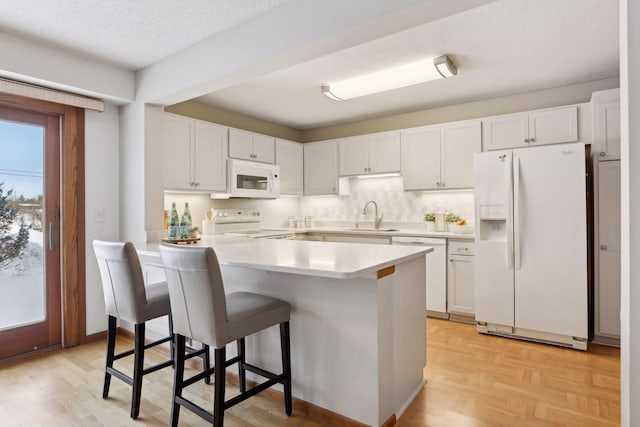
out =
column 430, row 221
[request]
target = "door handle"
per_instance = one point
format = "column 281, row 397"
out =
column 603, row 247
column 54, row 230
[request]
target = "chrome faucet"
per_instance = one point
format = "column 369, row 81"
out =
column 377, row 219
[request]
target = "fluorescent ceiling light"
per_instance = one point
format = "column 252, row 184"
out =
column 425, row 70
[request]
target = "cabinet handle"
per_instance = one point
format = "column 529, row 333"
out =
column 532, row 139
column 438, row 184
column 526, row 140
column 450, row 260
column 602, row 154
column 603, row 247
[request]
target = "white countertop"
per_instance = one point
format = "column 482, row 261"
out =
column 322, row 259
column 380, row 233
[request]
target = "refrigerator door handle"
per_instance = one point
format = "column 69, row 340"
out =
column 516, row 211
column 509, row 204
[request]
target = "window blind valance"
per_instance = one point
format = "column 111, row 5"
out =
column 52, row 95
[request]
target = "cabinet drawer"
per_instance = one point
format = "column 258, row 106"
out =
column 457, row 247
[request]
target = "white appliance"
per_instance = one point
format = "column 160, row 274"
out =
column 245, row 222
column 436, row 284
column 253, row 180
column 531, row 244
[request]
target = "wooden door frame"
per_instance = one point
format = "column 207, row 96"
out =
column 73, row 268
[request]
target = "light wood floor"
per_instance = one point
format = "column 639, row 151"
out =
column 473, row 380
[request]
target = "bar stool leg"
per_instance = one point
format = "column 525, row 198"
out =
column 172, row 343
column 285, row 347
column 242, row 377
column 207, row 363
column 138, row 367
column 178, row 377
column 218, row 394
column 111, row 348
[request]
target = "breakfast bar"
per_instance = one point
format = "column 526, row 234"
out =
column 358, row 333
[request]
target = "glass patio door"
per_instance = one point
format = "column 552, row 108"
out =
column 30, row 311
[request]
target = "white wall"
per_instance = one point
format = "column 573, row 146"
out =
column 101, row 202
column 630, row 195
column 31, row 62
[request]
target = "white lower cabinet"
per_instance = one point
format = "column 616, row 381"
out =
column 436, row 303
column 607, row 289
column 461, row 272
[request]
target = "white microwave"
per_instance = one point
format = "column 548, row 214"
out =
column 253, row 180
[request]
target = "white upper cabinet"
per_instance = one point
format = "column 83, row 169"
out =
column 177, row 152
column 459, row 141
column 440, row 157
column 368, row 154
column 195, row 154
column 321, row 167
column 251, row 146
column 290, row 158
column 210, row 157
column 550, row 126
column 421, row 158
column 605, row 116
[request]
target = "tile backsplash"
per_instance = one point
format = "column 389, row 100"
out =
column 396, row 204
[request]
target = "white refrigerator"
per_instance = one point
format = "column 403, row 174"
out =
column 531, row 244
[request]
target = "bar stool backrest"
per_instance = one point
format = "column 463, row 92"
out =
column 196, row 292
column 122, row 280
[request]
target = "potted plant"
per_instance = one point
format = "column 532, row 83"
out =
column 451, row 219
column 430, row 221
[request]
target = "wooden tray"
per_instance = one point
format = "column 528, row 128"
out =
column 182, row 241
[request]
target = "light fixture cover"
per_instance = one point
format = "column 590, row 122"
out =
column 392, row 78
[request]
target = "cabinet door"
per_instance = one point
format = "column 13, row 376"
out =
column 553, row 126
column 510, row 131
column 354, row 156
column 608, row 287
column 210, row 157
column 240, row 144
column 177, row 155
column 263, row 148
column 289, row 156
column 461, row 284
column 606, row 129
column 384, row 152
column 321, row 167
column 459, row 143
column 437, row 278
column 421, row 158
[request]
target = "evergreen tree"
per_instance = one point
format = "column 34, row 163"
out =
column 10, row 246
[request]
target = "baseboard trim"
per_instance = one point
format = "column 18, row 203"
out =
column 391, row 421
column 98, row 336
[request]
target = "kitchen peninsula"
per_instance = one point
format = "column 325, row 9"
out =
column 358, row 332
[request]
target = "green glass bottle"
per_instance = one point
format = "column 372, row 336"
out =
column 185, row 223
column 174, row 222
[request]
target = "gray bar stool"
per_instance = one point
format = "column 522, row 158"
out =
column 202, row 311
column 127, row 298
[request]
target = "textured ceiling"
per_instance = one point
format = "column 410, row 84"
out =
column 502, row 48
column 129, row 33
